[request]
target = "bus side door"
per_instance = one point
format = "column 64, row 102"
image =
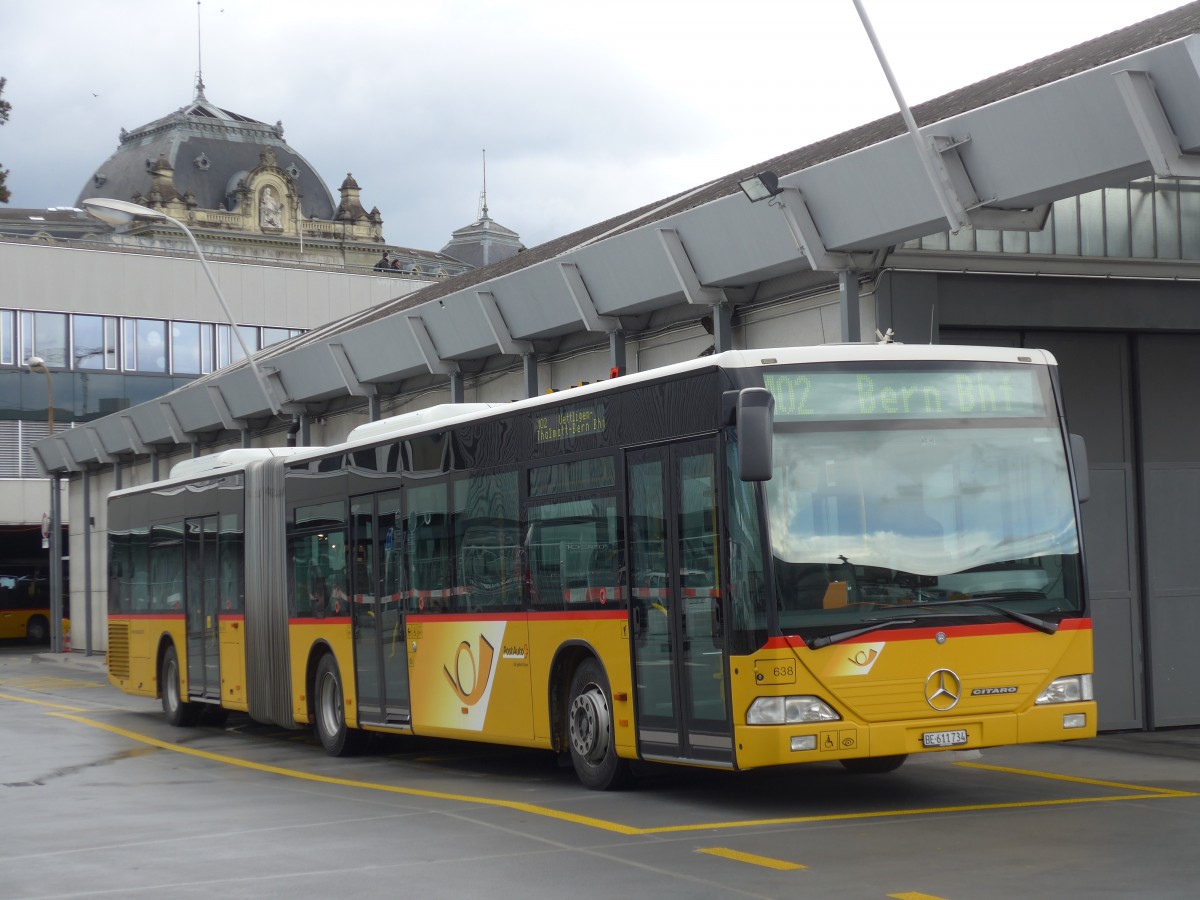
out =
column 677, row 622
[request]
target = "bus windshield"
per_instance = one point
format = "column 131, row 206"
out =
column 868, row 523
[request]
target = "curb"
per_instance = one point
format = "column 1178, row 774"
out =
column 74, row 660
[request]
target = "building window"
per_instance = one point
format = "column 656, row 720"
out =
column 229, row 349
column 44, row 334
column 8, row 339
column 93, row 342
column 275, row 335
column 185, row 348
column 145, row 345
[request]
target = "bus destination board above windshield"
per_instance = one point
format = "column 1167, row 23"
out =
column 974, row 393
column 570, row 421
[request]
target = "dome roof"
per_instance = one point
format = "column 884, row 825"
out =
column 210, row 149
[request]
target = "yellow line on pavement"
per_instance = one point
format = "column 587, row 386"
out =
column 1116, row 785
column 44, row 703
column 765, row 861
column 364, row 785
column 914, row 895
column 895, row 813
column 604, row 824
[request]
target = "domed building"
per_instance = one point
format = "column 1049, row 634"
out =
column 245, row 192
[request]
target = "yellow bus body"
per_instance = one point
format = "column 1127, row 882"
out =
column 490, row 678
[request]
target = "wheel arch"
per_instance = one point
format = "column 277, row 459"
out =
column 567, row 658
column 165, row 642
column 318, row 650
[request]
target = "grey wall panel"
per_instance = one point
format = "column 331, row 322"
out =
column 1108, row 523
column 1172, row 539
column 1119, row 664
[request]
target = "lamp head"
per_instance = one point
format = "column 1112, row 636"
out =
column 757, row 187
column 35, row 364
column 120, row 212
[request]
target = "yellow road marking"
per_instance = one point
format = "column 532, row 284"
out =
column 364, row 785
column 914, row 895
column 1073, row 778
column 766, row 861
column 604, row 824
column 47, row 683
column 44, row 703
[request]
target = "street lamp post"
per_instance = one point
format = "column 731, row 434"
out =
column 122, row 212
column 54, row 536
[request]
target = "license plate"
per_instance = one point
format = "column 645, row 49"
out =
column 944, row 738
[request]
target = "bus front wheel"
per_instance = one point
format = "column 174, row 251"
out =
column 337, row 738
column 178, row 711
column 873, row 765
column 590, row 730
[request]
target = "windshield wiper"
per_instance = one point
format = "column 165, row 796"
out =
column 838, row 636
column 985, row 600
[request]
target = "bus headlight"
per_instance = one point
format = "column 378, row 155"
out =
column 788, row 711
column 1069, row 689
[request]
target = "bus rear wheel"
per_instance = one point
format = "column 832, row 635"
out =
column 873, row 765
column 178, row 711
column 590, row 730
column 329, row 710
column 37, row 630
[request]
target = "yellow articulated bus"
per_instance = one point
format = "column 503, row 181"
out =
column 757, row 558
column 25, row 603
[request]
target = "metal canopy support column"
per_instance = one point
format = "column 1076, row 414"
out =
column 848, row 306
column 374, row 410
column 722, row 316
column 341, row 360
column 433, row 362
column 245, row 438
column 582, row 298
column 530, row 361
column 305, row 436
column 1154, row 128
column 55, row 536
column 681, row 265
column 87, row 563
column 790, row 203
column 503, row 338
column 154, row 458
column 228, row 422
column 616, row 351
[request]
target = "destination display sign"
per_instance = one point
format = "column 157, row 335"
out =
column 1008, row 392
column 572, row 421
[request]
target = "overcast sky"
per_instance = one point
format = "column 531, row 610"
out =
column 587, row 108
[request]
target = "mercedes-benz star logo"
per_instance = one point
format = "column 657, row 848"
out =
column 942, row 689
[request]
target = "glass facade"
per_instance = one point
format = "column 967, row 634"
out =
column 1151, row 218
column 94, row 343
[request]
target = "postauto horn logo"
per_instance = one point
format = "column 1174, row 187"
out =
column 469, row 679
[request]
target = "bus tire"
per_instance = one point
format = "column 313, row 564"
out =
column 178, row 711
column 873, row 765
column 590, row 730
column 37, row 630
column 329, row 711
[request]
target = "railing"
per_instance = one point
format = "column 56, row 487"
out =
column 216, row 254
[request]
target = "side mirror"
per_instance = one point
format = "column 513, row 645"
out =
column 1080, row 460
column 755, row 433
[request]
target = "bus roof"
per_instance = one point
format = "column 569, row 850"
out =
column 451, row 415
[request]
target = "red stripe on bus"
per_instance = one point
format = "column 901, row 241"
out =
column 780, row 642
column 142, row 617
